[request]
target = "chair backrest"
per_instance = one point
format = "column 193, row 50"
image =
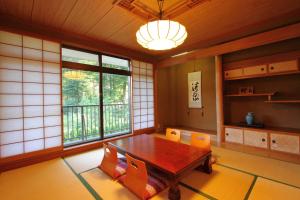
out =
column 200, row 140
column 110, row 160
column 173, row 134
column 136, row 176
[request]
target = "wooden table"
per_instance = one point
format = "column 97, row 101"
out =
column 172, row 158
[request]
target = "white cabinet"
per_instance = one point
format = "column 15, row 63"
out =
column 234, row 135
column 286, row 66
column 256, row 138
column 284, row 142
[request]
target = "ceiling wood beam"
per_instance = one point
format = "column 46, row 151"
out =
column 67, row 38
column 268, row 37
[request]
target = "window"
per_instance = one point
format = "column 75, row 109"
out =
column 88, row 115
column 30, row 97
column 143, row 97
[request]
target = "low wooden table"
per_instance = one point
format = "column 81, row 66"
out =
column 172, row 158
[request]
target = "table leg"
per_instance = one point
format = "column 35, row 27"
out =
column 207, row 165
column 174, row 192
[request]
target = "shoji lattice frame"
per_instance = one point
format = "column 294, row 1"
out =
column 30, row 94
column 142, row 95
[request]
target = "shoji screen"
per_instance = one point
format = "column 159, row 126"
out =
column 143, row 97
column 30, row 94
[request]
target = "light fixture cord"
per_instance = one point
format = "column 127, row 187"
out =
column 160, row 7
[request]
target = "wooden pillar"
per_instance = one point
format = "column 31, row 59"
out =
column 219, row 98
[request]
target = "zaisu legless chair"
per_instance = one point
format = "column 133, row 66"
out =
column 111, row 164
column 139, row 182
column 202, row 141
column 173, row 134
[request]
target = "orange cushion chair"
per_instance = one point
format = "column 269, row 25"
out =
column 139, row 182
column 173, row 134
column 202, row 141
column 111, row 164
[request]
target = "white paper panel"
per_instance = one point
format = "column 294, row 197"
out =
column 150, row 79
column 52, row 110
column 136, row 91
column 150, row 111
column 143, row 111
column 51, row 89
column 51, row 67
column 143, row 104
column 11, row 125
column 150, row 118
column 136, row 98
column 10, row 38
column 51, row 99
column 10, row 63
column 137, row 119
column 32, row 54
column 53, row 142
column 36, row 77
column 143, row 118
column 32, row 65
column 10, row 75
column 52, row 131
column 33, row 88
column 143, row 92
column 10, row 88
column 10, row 100
column 149, row 85
column 51, row 57
column 144, row 125
column 9, row 50
column 51, row 46
column 11, row 112
column 149, row 72
column 135, row 70
column 33, row 100
column 137, row 112
column 136, row 84
column 136, row 105
column 135, row 78
column 11, row 149
column 143, row 71
column 150, row 92
column 33, row 111
column 11, row 137
column 143, row 85
column 135, row 63
column 150, row 104
column 143, row 78
column 150, row 98
column 149, row 66
column 137, row 126
column 33, row 134
column 35, row 122
column 143, row 65
column 51, row 78
column 151, row 124
column 144, row 98
column 52, row 121
column 34, row 145
column 32, row 42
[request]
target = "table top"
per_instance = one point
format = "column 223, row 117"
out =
column 172, row 157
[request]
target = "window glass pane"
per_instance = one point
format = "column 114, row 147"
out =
column 79, row 57
column 116, row 63
column 116, row 108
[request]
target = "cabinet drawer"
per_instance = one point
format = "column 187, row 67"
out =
column 234, row 135
column 234, row 73
column 286, row 143
column 256, row 138
column 286, row 66
column 255, row 70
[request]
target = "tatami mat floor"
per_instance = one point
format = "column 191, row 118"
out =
column 236, row 175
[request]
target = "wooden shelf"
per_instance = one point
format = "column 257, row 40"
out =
column 284, row 101
column 250, row 95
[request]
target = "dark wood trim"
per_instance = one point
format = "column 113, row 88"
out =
column 79, row 66
column 116, row 71
column 145, row 130
column 268, row 37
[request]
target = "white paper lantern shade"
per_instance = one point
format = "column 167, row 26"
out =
column 161, row 35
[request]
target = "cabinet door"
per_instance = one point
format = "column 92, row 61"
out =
column 234, row 73
column 255, row 70
column 256, row 138
column 286, row 66
column 234, row 135
column 286, row 143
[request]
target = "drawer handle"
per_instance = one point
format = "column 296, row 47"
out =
column 226, row 74
column 262, row 69
column 272, row 68
column 263, row 139
column 273, row 141
column 227, row 134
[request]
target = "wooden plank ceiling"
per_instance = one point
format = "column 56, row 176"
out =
column 208, row 23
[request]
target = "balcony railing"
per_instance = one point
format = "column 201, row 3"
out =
column 82, row 123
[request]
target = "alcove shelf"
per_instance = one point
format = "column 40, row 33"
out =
column 284, row 101
column 269, row 95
